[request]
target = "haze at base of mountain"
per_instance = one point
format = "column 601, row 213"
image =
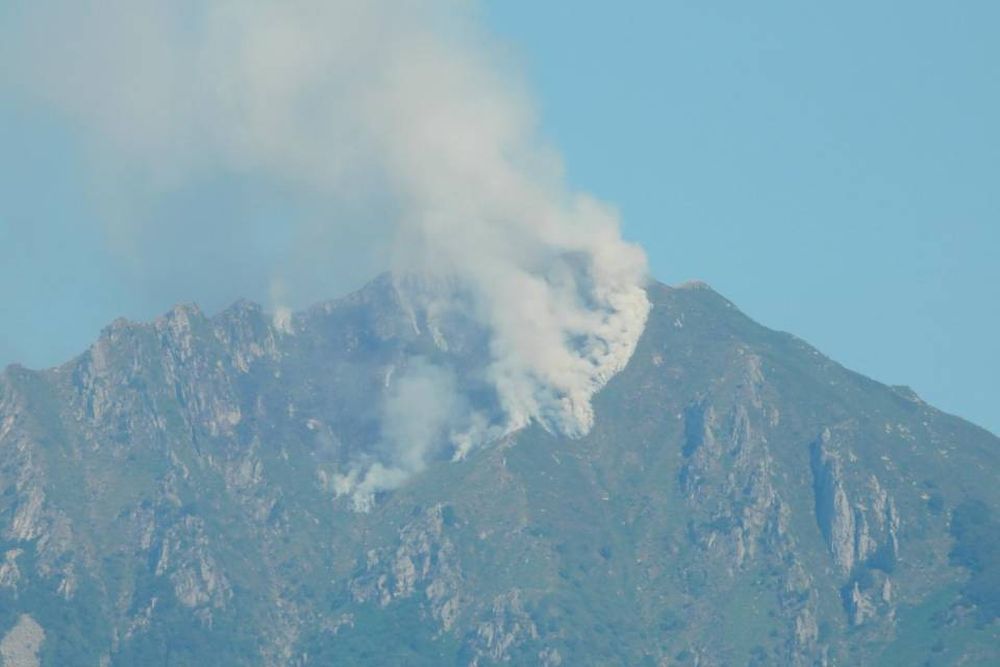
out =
column 168, row 497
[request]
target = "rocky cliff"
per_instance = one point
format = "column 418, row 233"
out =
column 170, row 497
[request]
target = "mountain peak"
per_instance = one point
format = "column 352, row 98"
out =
column 734, row 478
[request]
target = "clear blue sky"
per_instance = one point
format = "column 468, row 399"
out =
column 833, row 168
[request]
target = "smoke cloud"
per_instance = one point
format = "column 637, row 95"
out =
column 400, row 134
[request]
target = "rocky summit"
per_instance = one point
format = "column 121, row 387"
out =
column 170, row 497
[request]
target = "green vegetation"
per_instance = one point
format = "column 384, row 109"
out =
column 741, row 500
column 977, row 547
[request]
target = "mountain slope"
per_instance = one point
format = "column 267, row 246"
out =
column 169, row 498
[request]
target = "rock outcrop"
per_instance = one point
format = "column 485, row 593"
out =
column 175, row 491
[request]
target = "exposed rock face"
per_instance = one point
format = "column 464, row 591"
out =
column 424, row 561
column 859, row 531
column 507, row 626
column 9, row 572
column 21, row 644
column 185, row 557
column 741, row 500
column 728, row 473
column 834, row 512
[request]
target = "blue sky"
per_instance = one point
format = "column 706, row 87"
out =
column 834, row 169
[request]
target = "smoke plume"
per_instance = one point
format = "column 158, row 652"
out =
column 401, row 134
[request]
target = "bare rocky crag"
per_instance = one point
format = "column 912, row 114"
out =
column 169, row 497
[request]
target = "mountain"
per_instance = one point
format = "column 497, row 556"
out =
column 169, row 498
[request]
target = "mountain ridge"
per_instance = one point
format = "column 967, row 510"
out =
column 172, row 491
column 385, row 279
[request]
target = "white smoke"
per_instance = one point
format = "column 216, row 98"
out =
column 400, row 112
column 424, row 416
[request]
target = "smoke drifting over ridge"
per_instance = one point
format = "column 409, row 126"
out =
column 398, row 122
